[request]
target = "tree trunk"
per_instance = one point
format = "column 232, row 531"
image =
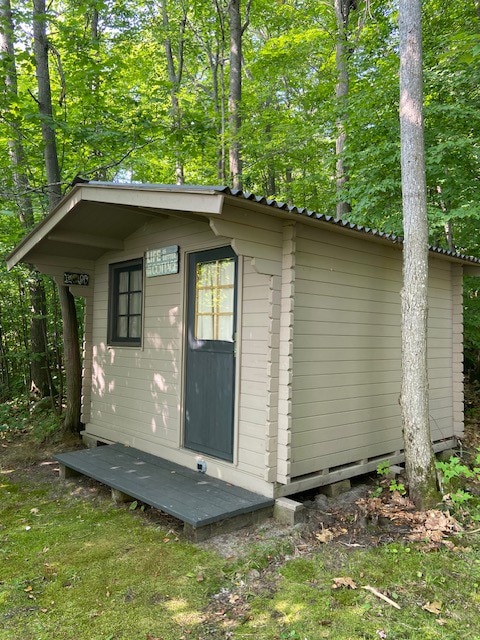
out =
column 71, row 359
column 342, row 14
column 40, row 47
column 70, row 325
column 4, row 367
column 419, row 458
column 39, row 367
column 217, row 66
column 235, row 96
column 175, row 73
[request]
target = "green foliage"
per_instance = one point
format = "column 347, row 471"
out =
column 114, row 121
column 14, row 415
column 458, row 480
column 388, row 481
column 454, row 469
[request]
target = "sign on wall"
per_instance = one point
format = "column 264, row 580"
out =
column 161, row 262
column 79, row 279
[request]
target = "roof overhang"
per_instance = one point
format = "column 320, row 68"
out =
column 95, row 217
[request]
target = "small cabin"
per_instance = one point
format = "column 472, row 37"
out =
column 250, row 340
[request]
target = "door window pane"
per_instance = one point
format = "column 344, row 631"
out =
column 123, row 281
column 214, row 300
column 135, row 280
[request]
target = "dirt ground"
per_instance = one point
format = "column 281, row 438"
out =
column 358, row 518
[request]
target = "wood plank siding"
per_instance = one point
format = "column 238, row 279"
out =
column 346, row 351
column 137, row 394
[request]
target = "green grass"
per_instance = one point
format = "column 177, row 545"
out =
column 74, row 566
column 307, row 606
column 76, row 570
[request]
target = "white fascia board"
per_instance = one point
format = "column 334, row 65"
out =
column 206, row 202
column 203, row 202
column 44, row 228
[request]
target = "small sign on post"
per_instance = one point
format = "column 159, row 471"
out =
column 78, row 279
column 161, row 262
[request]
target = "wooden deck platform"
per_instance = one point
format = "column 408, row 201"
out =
column 206, row 505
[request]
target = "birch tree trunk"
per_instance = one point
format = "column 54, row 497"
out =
column 71, row 347
column 342, row 13
column 235, row 96
column 419, row 458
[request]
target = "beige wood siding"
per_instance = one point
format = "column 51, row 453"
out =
column 137, row 393
column 346, row 380
column 457, row 349
column 259, row 239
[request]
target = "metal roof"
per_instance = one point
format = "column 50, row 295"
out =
column 283, row 206
column 74, row 198
column 303, row 211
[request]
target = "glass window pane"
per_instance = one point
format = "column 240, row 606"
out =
column 135, row 325
column 123, row 281
column 226, row 300
column 205, row 327
column 226, row 271
column 122, row 327
column 136, row 303
column 206, row 274
column 123, row 304
column 136, row 280
column 205, row 302
column 225, row 328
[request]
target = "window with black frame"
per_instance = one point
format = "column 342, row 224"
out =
column 126, row 303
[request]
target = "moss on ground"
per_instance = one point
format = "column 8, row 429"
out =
column 74, row 566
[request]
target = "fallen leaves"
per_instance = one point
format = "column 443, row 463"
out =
column 433, row 607
column 327, row 535
column 344, row 581
column 432, row 527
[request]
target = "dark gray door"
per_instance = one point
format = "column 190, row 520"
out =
column 210, row 361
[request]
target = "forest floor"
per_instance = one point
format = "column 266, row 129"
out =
column 363, row 565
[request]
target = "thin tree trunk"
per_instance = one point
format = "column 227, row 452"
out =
column 70, row 325
column 419, row 458
column 235, row 96
column 40, row 47
column 175, row 72
column 39, row 371
column 342, row 13
column 72, row 362
column 218, row 68
column 4, row 366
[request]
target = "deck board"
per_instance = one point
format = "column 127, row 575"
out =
column 193, row 498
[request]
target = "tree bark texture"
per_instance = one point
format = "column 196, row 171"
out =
column 235, row 96
column 73, row 372
column 39, row 368
column 342, row 14
column 419, row 459
column 175, row 73
column 40, row 46
column 72, row 362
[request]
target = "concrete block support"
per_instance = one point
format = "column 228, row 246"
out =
column 337, row 488
column 287, row 511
